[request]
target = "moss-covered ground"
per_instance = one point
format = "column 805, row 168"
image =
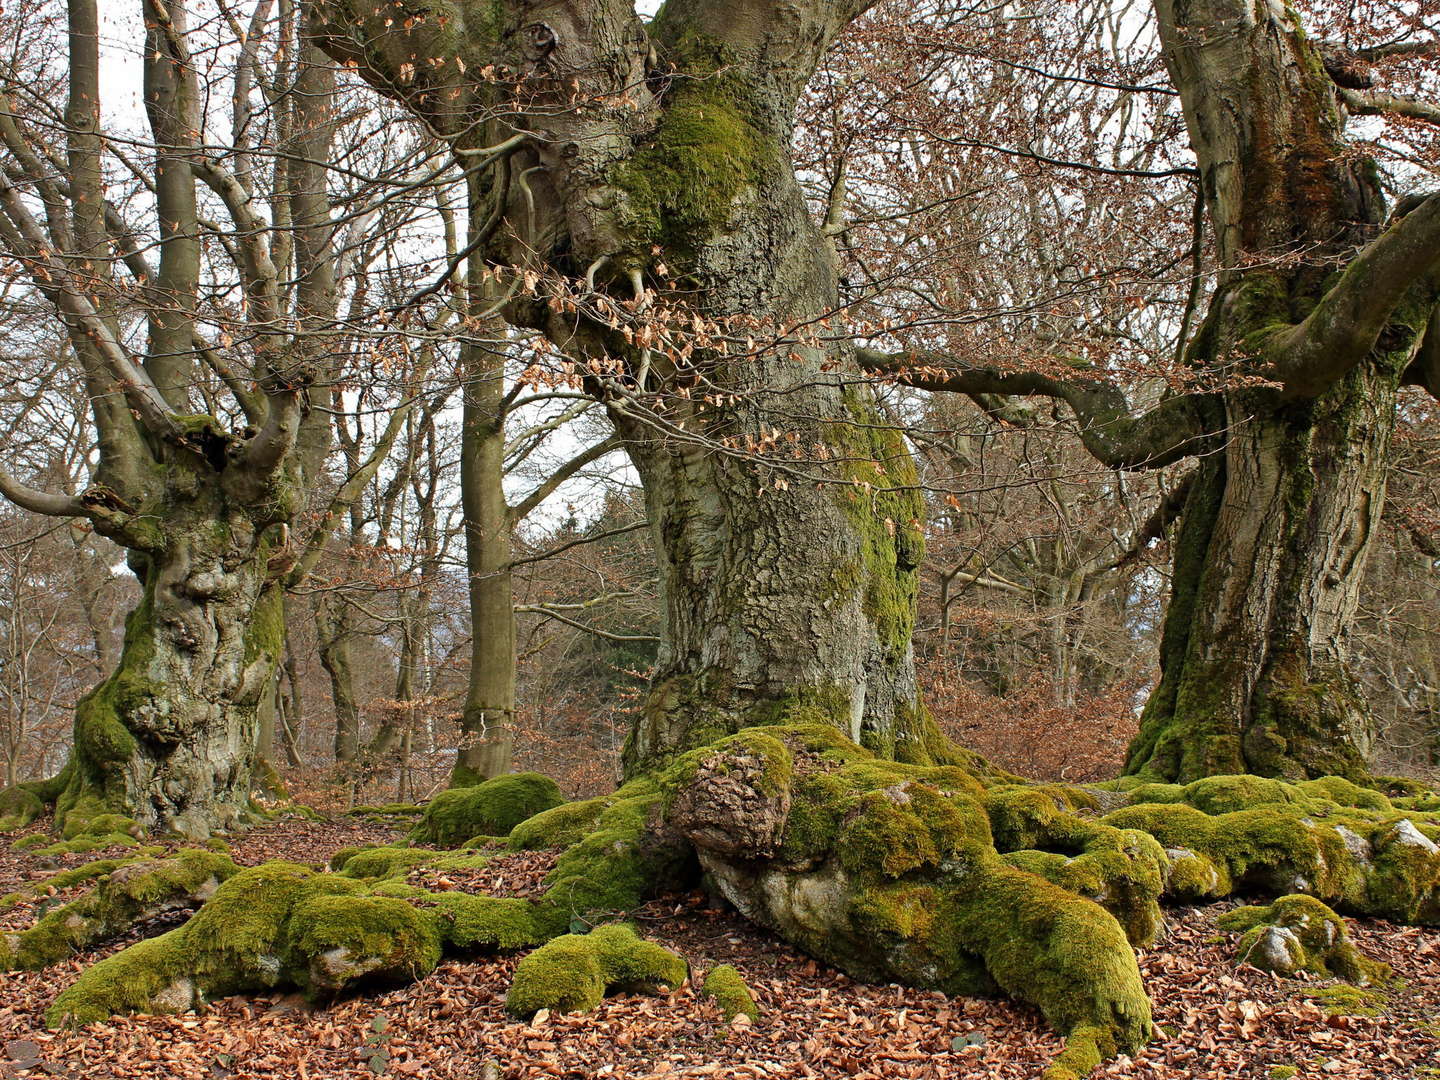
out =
column 954, row 880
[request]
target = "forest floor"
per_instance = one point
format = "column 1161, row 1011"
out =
column 1216, row 1019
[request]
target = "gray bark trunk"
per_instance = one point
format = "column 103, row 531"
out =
column 169, row 737
column 1269, row 558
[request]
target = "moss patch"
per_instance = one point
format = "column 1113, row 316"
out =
column 491, row 808
column 574, row 972
column 728, row 989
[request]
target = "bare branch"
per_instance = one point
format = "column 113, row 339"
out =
column 37, row 501
column 1371, row 103
column 559, row 476
column 1161, row 435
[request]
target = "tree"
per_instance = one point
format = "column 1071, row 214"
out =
column 649, row 222
column 1323, row 308
column 205, row 433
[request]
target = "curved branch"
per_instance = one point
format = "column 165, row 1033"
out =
column 1344, row 325
column 37, row 501
column 1370, row 103
column 1161, row 435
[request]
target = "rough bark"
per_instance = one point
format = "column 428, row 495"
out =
column 797, row 600
column 169, row 737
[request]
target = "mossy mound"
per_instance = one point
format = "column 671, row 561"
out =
column 19, row 806
column 126, row 891
column 728, row 989
column 275, row 925
column 558, row 827
column 492, row 808
column 574, row 972
column 894, row 873
column 1299, row 933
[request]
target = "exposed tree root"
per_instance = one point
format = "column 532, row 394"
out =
column 962, row 879
column 573, row 973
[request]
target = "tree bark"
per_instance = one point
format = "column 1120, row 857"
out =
column 1268, row 561
column 336, row 637
column 169, row 737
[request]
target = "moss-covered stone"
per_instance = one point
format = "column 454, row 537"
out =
column 574, row 972
column 19, row 806
column 1299, row 933
column 728, row 989
column 338, row 941
column 491, row 808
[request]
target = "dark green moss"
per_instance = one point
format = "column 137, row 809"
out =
column 491, row 808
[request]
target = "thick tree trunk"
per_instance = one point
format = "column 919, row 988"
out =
column 1269, row 558
column 792, row 606
column 169, row 737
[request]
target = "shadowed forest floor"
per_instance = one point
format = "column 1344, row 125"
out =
column 1217, row 1019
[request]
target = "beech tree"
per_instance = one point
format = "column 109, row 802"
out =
column 634, row 200
column 675, row 177
column 1324, row 306
column 206, row 439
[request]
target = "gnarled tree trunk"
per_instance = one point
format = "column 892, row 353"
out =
column 169, row 737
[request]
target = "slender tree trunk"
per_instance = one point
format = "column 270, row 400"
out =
column 337, row 637
column 487, row 732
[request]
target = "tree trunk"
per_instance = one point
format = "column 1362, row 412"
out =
column 487, row 732
column 169, row 737
column 1269, row 558
column 336, row 636
column 796, row 605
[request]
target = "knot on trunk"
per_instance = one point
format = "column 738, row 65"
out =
column 733, row 798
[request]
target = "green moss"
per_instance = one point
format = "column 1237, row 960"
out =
column 620, row 862
column 1299, row 933
column 1344, row 1000
column 76, row 825
column 683, row 183
column 469, row 923
column 381, row 863
column 360, row 940
column 127, row 890
column 29, row 843
column 492, row 808
column 19, row 806
column 574, row 972
column 560, row 826
column 727, row 988
column 1282, row 1072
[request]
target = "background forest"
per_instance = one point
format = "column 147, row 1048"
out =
column 1012, row 187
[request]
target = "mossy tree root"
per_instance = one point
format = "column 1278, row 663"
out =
column 126, row 892
column 284, row 925
column 574, row 972
column 959, row 878
column 1299, row 933
column 966, row 880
